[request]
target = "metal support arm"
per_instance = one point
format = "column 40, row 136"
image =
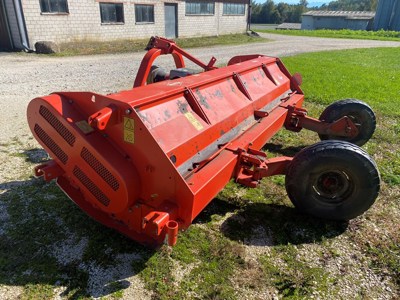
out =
column 160, row 46
column 297, row 119
column 253, row 166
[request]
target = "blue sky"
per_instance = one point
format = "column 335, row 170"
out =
column 295, row 1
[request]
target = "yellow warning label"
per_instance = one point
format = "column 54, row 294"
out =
column 129, row 130
column 193, row 120
column 129, row 124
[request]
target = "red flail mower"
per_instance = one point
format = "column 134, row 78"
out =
column 147, row 161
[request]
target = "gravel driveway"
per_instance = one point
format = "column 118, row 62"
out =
column 24, row 77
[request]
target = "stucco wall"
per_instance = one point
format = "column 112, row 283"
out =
column 83, row 22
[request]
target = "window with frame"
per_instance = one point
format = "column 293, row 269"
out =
column 54, row 6
column 200, row 8
column 111, row 13
column 144, row 13
column 233, row 9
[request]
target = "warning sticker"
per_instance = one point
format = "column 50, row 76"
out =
column 129, row 130
column 193, row 120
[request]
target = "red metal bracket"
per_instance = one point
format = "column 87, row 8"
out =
column 253, row 166
column 240, row 84
column 104, row 117
column 157, row 220
column 49, row 170
column 160, row 223
column 160, row 46
column 195, row 105
column 297, row 119
column 241, row 58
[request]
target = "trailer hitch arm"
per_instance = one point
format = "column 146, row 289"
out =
column 297, row 119
column 253, row 166
column 160, row 46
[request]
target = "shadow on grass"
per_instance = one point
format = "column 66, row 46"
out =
column 279, row 149
column 262, row 224
column 47, row 241
column 215, row 207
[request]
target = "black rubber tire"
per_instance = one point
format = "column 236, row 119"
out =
column 333, row 180
column 359, row 112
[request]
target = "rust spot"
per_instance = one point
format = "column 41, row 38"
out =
column 182, row 107
column 143, row 117
column 167, row 114
column 257, row 80
column 261, row 72
column 203, row 100
column 218, row 94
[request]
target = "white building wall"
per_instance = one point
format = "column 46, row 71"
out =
column 208, row 25
column 83, row 22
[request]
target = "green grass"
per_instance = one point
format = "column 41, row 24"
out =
column 248, row 243
column 380, row 35
column 368, row 74
column 371, row 75
column 88, row 47
column 294, row 278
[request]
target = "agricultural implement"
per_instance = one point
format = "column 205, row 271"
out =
column 147, row 161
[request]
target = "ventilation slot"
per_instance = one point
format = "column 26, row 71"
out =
column 57, row 125
column 100, row 169
column 48, row 141
column 96, row 192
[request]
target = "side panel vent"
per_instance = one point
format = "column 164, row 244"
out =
column 100, row 169
column 96, row 192
column 49, row 142
column 57, row 125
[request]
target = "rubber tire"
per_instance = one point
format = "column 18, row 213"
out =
column 332, row 157
column 360, row 112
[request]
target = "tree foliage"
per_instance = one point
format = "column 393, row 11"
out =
column 351, row 5
column 269, row 13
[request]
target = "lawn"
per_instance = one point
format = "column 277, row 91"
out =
column 381, row 35
column 248, row 243
column 89, row 47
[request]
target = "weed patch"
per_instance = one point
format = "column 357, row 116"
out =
column 294, row 278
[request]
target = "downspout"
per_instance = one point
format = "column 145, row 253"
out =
column 217, row 4
column 249, row 16
column 21, row 25
column 8, row 26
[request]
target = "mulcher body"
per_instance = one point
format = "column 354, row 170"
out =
column 147, row 161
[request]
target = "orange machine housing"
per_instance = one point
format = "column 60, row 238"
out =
column 147, row 161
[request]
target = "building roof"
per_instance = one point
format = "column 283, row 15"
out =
column 346, row 14
column 289, row 26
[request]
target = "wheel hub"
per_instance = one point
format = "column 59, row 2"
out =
column 332, row 185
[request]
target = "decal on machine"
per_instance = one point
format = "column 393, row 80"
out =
column 193, row 120
column 129, row 130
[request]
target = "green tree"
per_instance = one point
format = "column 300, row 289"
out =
column 351, row 5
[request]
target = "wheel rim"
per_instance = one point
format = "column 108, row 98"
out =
column 333, row 186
